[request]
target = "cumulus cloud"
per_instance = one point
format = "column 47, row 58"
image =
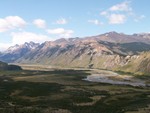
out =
column 119, row 13
column 11, row 22
column 104, row 13
column 96, row 22
column 22, row 37
column 40, row 23
column 56, row 31
column 124, row 6
column 61, row 32
column 117, row 19
column 61, row 21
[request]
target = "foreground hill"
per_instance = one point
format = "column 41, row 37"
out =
column 106, row 51
column 5, row 66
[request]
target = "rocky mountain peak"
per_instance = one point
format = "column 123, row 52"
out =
column 26, row 45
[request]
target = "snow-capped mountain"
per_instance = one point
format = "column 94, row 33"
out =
column 17, row 51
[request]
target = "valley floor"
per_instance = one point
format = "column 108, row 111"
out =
column 42, row 89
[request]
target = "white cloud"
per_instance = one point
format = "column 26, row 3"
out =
column 119, row 13
column 124, row 6
column 61, row 32
column 117, row 19
column 104, row 13
column 4, row 46
column 96, row 22
column 56, row 31
column 40, row 23
column 61, row 21
column 11, row 22
column 138, row 18
column 22, row 37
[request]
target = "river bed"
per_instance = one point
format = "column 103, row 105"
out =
column 114, row 78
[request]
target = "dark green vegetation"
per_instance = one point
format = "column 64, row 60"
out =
column 5, row 66
column 64, row 91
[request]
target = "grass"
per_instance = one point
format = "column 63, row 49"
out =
column 64, row 91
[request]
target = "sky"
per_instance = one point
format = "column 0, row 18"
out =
column 46, row 20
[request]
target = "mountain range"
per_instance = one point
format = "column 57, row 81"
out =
column 111, row 50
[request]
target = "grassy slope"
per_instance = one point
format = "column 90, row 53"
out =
column 141, row 65
column 84, row 60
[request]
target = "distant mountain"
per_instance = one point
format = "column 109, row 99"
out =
column 115, row 37
column 107, row 51
column 17, row 51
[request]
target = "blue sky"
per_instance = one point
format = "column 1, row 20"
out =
column 40, row 20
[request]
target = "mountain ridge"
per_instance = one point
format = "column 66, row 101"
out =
column 105, row 51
